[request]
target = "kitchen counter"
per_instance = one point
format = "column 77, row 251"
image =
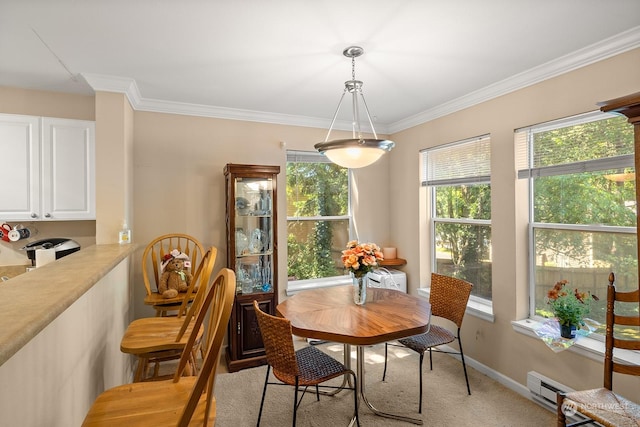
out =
column 32, row 300
column 11, row 271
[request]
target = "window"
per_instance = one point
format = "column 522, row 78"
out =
column 318, row 216
column 582, row 205
column 458, row 176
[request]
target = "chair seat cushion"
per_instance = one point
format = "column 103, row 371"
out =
column 436, row 336
column 314, row 366
column 604, row 406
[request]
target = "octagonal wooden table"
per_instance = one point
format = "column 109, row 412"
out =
column 330, row 314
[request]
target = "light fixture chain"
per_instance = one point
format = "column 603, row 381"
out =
column 353, row 68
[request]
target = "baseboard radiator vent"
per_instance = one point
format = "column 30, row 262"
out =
column 543, row 390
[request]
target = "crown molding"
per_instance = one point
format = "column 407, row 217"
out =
column 200, row 110
column 607, row 48
column 128, row 86
column 591, row 54
column 104, row 83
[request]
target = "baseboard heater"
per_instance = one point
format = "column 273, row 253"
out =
column 543, row 390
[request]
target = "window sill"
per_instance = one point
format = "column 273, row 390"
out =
column 302, row 285
column 585, row 346
column 481, row 309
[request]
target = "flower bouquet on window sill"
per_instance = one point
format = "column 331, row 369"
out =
column 360, row 259
column 570, row 306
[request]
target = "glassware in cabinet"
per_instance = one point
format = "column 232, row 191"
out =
column 252, row 254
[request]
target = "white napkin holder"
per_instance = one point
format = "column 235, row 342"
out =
column 45, row 256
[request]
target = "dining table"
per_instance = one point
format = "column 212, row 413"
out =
column 330, row 314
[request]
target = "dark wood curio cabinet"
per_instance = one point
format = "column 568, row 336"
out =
column 252, row 252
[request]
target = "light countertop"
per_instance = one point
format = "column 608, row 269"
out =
column 11, row 271
column 33, row 300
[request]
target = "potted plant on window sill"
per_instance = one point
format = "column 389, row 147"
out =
column 570, row 306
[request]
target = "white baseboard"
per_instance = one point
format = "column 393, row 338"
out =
column 506, row 381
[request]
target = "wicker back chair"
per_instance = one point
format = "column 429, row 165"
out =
column 602, row 404
column 448, row 298
column 305, row 367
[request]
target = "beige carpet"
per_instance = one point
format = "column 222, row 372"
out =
column 445, row 401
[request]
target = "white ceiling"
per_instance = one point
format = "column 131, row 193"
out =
column 281, row 61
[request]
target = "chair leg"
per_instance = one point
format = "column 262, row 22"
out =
column 141, row 370
column 430, row 360
column 562, row 420
column 264, row 392
column 464, row 365
column 420, row 402
column 355, row 397
column 295, row 403
column 384, row 373
column 194, row 362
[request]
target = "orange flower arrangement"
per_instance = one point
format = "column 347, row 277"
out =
column 361, row 258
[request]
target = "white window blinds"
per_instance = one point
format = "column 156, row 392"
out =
column 588, row 142
column 462, row 162
column 306, row 157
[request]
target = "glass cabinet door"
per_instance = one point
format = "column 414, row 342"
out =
column 252, row 252
column 254, row 234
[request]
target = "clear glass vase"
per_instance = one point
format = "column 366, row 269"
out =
column 359, row 289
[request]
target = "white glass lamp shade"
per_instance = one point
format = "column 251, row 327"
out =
column 354, row 153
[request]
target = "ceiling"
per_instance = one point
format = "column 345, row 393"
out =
column 281, row 61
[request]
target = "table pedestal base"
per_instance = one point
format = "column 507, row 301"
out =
column 360, row 388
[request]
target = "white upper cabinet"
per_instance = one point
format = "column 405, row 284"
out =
column 48, row 171
column 68, row 169
column 20, row 171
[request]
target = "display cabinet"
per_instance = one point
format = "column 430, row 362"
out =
column 252, row 252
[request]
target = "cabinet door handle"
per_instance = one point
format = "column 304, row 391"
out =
column 47, row 215
column 34, row 215
column 238, row 328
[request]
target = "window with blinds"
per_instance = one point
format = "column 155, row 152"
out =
column 582, row 205
column 458, row 178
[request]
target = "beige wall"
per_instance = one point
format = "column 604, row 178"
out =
column 496, row 344
column 46, row 104
column 179, row 180
column 114, row 165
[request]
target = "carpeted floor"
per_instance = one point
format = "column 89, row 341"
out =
column 445, row 401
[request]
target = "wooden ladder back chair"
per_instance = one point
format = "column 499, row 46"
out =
column 302, row 368
column 152, row 262
column 602, row 404
column 448, row 298
column 160, row 339
column 183, row 400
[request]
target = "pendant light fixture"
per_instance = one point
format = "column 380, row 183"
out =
column 358, row 151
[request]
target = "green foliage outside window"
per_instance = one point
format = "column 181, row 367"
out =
column 591, row 197
column 314, row 244
column 464, row 249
